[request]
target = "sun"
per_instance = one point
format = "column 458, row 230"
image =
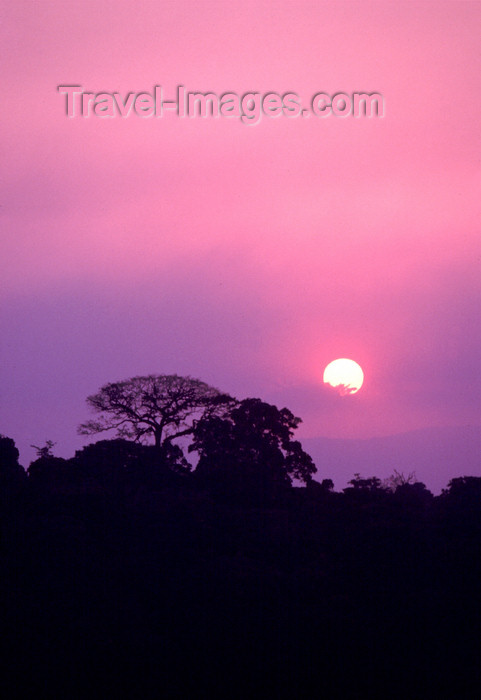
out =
column 344, row 375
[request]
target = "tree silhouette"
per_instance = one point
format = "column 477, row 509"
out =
column 164, row 407
column 12, row 475
column 46, row 450
column 398, row 479
column 464, row 488
column 8, row 453
column 359, row 484
column 253, row 442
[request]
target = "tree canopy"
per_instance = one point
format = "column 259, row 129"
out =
column 252, row 438
column 162, row 407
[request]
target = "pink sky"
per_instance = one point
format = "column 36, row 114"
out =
column 247, row 256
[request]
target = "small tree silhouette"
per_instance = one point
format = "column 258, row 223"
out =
column 398, row 479
column 46, row 451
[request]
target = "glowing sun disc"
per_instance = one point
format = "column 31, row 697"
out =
column 344, row 375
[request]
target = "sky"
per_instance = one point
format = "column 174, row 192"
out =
column 245, row 255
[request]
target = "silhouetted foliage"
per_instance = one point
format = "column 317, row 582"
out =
column 413, row 493
column 125, row 573
column 46, row 450
column 8, row 454
column 366, row 489
column 160, row 406
column 114, row 464
column 250, row 448
column 12, row 475
column 398, row 479
column 50, row 473
column 465, row 489
column 327, row 484
column 358, row 483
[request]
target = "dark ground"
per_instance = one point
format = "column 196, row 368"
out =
column 128, row 587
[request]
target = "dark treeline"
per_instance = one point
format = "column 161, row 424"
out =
column 126, row 573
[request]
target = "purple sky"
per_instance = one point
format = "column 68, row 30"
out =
column 247, row 256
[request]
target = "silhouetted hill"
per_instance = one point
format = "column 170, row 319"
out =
column 435, row 454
